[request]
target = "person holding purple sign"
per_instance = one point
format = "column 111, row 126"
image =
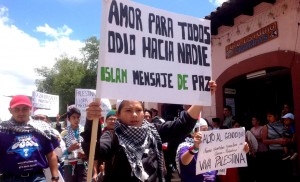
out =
column 187, row 154
column 186, row 157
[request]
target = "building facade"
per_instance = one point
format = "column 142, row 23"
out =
column 256, row 58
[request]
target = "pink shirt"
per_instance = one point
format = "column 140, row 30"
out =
column 257, row 133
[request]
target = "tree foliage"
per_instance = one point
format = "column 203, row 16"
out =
column 90, row 54
column 70, row 73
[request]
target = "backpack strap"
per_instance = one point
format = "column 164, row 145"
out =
column 275, row 130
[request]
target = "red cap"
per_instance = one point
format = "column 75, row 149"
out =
column 20, row 100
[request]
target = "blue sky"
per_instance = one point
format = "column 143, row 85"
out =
column 83, row 16
column 35, row 32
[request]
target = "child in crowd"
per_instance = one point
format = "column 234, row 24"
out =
column 290, row 134
column 75, row 167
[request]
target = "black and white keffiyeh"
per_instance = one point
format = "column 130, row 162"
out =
column 38, row 126
column 134, row 141
column 187, row 143
column 70, row 136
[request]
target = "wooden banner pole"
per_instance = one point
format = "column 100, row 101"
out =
column 92, row 147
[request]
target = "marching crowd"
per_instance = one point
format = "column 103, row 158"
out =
column 131, row 145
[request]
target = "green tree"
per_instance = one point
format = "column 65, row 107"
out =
column 90, row 54
column 62, row 80
column 70, row 73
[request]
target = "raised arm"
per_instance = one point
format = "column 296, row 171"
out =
column 188, row 156
column 181, row 127
column 194, row 110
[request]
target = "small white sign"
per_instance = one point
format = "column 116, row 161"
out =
column 45, row 101
column 221, row 149
column 85, row 96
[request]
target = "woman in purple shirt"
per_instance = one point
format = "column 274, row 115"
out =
column 186, row 157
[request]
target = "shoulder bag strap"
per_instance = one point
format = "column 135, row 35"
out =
column 275, row 130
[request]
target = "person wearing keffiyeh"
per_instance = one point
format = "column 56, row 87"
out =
column 26, row 146
column 133, row 153
column 74, row 165
column 186, row 156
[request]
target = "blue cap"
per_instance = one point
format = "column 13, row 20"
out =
column 289, row 115
column 110, row 113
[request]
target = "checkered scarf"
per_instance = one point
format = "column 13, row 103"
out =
column 38, row 126
column 188, row 142
column 134, row 141
column 70, row 136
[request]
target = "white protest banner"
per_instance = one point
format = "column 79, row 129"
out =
column 146, row 50
column 221, row 149
column 46, row 101
column 82, row 99
column 85, row 96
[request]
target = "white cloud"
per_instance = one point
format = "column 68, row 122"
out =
column 217, row 2
column 3, row 14
column 55, row 33
column 21, row 53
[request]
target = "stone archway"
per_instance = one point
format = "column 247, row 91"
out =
column 284, row 59
column 274, row 59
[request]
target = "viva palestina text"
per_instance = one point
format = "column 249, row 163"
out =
column 221, row 149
